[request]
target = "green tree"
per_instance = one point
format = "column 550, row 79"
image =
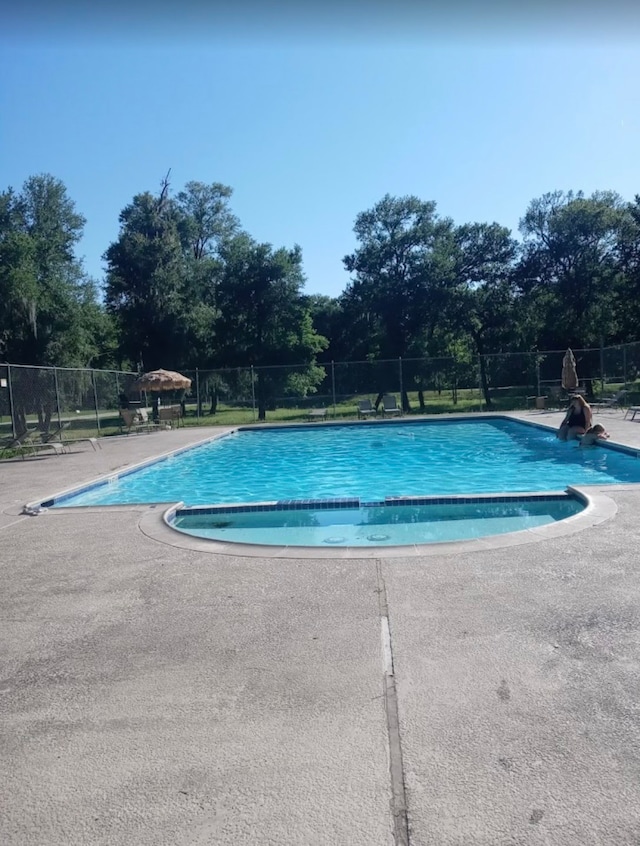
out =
column 44, row 293
column 570, row 268
column 145, row 283
column 391, row 269
column 263, row 320
column 205, row 224
column 48, row 307
column 401, row 281
column 628, row 292
column 163, row 272
column 328, row 320
column 485, row 292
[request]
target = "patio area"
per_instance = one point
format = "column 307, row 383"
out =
column 156, row 695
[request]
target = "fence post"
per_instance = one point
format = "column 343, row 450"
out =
column 601, row 365
column 253, row 396
column 454, row 389
column 13, row 421
column 333, row 386
column 624, row 364
column 55, row 380
column 95, row 398
column 197, row 393
column 400, row 372
column 480, row 379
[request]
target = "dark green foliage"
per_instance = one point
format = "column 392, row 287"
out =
column 263, row 320
column 186, row 288
column 48, row 307
column 145, row 282
column 163, row 271
column 627, row 291
column 570, row 273
column 400, row 277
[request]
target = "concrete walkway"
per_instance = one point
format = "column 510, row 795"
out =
column 156, row 695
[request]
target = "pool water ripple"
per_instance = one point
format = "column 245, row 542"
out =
column 369, row 461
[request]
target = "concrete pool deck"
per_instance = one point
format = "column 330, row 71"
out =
column 157, row 695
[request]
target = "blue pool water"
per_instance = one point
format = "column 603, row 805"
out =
column 380, row 526
column 368, row 461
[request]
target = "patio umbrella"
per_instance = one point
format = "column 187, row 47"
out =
column 569, row 372
column 161, row 380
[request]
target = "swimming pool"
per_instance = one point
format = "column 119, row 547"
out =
column 372, row 484
column 368, row 461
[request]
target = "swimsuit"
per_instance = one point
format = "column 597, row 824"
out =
column 577, row 418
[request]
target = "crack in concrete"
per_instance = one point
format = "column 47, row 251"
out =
column 396, row 768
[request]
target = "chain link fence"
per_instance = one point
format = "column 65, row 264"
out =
column 87, row 402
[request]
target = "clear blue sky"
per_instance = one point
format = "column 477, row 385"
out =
column 312, row 120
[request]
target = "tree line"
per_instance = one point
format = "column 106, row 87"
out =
column 185, row 286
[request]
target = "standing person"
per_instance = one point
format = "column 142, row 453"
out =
column 576, row 421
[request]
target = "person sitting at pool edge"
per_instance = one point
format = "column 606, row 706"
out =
column 576, row 421
column 593, row 435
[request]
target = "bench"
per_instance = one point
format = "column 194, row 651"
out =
column 317, row 414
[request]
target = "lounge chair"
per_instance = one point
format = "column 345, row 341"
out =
column 28, row 443
column 365, row 409
column 632, row 410
column 170, row 414
column 134, row 419
column 557, row 397
column 390, row 405
column 54, row 434
column 20, row 443
column 611, row 402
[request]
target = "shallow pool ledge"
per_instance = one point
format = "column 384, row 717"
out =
column 599, row 508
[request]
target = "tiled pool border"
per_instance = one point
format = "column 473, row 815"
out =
column 387, row 502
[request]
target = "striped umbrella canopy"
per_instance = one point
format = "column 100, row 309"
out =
column 569, row 372
column 161, row 380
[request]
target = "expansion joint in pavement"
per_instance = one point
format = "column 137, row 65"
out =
column 396, row 770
